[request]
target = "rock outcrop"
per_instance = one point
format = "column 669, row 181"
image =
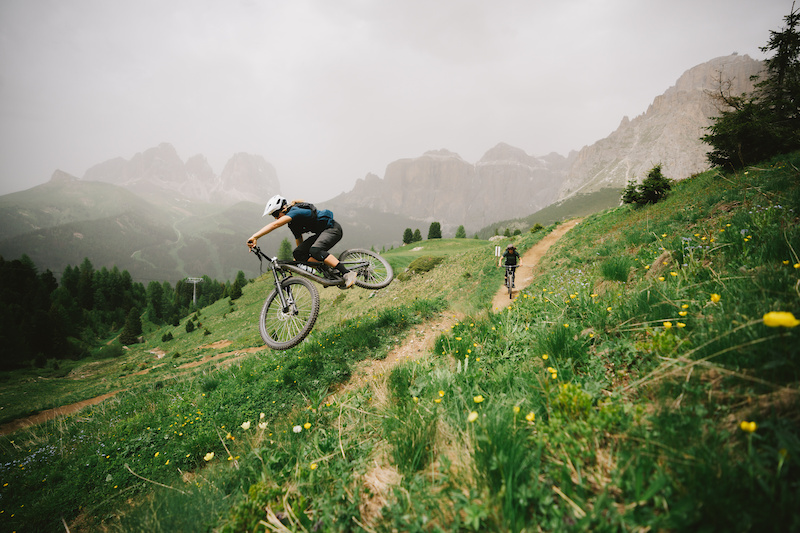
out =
column 441, row 186
column 668, row 133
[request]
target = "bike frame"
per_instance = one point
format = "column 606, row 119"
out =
column 287, row 268
column 510, row 275
column 511, row 270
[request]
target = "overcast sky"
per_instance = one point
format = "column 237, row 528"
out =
column 330, row 90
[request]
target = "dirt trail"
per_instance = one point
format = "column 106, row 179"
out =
column 64, row 410
column 529, row 260
column 50, row 414
column 418, row 343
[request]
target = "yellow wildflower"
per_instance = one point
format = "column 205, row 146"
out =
column 209, row 456
column 667, row 325
column 776, row 319
column 530, row 417
column 715, row 297
column 748, row 427
column 477, row 399
column 313, row 466
column 473, row 416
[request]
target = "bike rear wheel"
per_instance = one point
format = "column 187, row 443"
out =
column 377, row 274
column 283, row 328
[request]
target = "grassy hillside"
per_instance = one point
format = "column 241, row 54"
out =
column 647, row 380
column 579, row 205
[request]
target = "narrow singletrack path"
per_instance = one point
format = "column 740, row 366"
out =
column 529, row 260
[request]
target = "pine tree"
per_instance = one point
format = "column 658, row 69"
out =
column 132, row 329
column 408, row 236
column 757, row 126
column 461, row 233
column 655, row 186
column 417, row 236
column 285, row 251
column 435, row 231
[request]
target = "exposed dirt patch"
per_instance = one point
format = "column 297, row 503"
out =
column 217, row 357
column 158, row 352
column 224, row 343
column 529, row 260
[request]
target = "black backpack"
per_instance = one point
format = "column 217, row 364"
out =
column 310, row 226
column 307, row 205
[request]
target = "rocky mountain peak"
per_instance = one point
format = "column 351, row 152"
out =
column 160, row 170
column 505, row 152
column 247, row 177
column 59, row 176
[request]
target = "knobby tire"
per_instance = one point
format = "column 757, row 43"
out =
column 283, row 329
column 377, row 275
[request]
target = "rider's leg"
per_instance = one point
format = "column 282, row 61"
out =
column 319, row 252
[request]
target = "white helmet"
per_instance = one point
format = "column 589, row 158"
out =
column 275, row 204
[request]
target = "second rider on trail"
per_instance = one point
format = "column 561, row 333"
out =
column 304, row 218
column 509, row 259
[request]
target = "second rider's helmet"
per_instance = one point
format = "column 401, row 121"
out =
column 274, row 205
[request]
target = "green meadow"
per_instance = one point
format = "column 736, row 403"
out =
column 647, row 380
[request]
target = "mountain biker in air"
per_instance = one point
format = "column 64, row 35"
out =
column 510, row 258
column 303, row 218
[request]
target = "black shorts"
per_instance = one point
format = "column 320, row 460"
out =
column 321, row 242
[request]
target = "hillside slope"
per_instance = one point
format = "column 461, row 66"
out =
column 647, row 379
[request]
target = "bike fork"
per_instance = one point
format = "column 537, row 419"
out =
column 285, row 303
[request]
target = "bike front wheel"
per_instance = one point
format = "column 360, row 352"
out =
column 372, row 270
column 285, row 327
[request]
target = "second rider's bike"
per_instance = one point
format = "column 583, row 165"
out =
column 291, row 309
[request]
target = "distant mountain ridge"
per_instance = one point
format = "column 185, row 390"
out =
column 162, row 218
column 507, row 182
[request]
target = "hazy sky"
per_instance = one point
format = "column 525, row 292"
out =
column 330, row 90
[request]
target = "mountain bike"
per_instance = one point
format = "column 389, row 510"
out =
column 510, row 276
column 291, row 309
